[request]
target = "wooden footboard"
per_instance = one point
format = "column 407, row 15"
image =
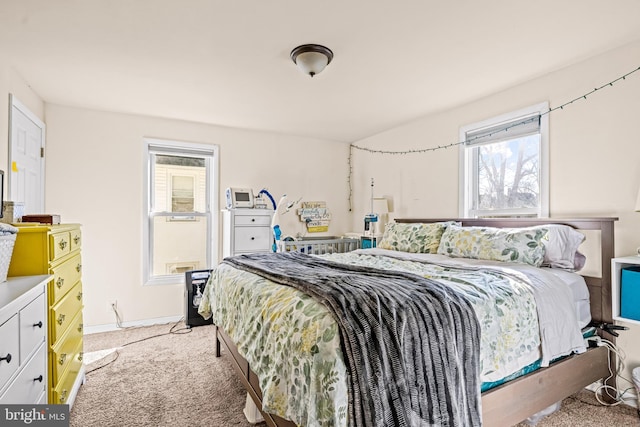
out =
column 516, row 400
column 502, row 406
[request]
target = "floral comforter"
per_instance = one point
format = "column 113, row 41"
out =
column 291, row 341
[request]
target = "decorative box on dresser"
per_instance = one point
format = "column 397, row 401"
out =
column 55, row 250
column 23, row 340
column 246, row 231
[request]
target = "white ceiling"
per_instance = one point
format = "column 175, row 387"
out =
column 226, row 62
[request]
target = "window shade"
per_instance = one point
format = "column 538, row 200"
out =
column 522, row 126
column 182, row 152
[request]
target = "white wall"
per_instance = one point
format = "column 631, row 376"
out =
column 94, row 177
column 594, row 154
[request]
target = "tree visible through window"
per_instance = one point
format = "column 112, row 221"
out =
column 504, row 166
column 508, row 174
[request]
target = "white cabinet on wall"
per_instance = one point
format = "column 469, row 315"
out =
column 246, row 231
column 617, row 265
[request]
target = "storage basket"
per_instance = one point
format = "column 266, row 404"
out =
column 7, row 242
column 630, row 293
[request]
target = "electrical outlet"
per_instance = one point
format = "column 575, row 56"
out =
column 111, row 305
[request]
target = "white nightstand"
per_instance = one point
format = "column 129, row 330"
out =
column 617, row 264
column 246, row 231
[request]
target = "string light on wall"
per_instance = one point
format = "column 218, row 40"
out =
column 470, row 140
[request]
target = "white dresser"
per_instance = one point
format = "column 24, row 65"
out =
column 23, row 340
column 246, row 231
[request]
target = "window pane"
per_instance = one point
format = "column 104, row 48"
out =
column 178, row 246
column 508, row 174
column 182, row 194
column 179, row 184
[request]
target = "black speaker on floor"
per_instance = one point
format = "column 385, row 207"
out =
column 195, row 281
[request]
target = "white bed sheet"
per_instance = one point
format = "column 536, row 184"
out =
column 580, row 293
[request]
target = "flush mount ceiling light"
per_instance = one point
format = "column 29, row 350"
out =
column 311, row 58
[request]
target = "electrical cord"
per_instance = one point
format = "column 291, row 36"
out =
column 118, row 318
column 119, row 325
column 618, row 394
column 171, row 331
column 117, row 354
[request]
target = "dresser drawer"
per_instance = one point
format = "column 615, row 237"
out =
column 9, row 348
column 31, row 383
column 252, row 239
column 64, row 351
column 261, row 220
column 76, row 239
column 63, row 313
column 60, row 245
column 65, row 276
column 63, row 389
column 33, row 327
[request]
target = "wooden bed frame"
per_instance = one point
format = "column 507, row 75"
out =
column 518, row 399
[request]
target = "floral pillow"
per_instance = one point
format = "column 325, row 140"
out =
column 499, row 244
column 413, row 237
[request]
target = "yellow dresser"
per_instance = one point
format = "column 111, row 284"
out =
column 55, row 250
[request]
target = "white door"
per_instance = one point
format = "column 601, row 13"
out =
column 26, row 158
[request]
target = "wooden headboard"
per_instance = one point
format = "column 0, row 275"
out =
column 599, row 287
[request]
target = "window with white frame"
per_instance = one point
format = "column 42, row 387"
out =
column 180, row 209
column 504, row 165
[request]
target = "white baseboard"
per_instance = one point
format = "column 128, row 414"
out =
column 135, row 323
column 630, row 399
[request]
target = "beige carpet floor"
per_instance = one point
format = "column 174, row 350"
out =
column 174, row 379
column 170, row 380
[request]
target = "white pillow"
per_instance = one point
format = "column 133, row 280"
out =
column 561, row 247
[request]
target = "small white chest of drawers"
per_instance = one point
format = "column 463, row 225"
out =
column 246, row 231
column 23, row 340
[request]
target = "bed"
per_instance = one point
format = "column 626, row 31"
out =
column 563, row 372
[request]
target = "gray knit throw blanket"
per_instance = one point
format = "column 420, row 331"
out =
column 410, row 344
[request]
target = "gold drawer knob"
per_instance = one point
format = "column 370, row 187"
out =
column 78, row 267
column 63, row 396
column 80, row 356
column 79, row 296
column 62, row 358
column 80, row 328
column 76, row 239
column 62, row 244
column 60, row 282
column 61, row 319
